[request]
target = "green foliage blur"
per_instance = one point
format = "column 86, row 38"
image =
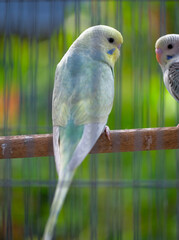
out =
column 114, row 196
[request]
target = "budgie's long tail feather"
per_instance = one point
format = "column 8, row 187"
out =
column 59, row 197
column 90, row 134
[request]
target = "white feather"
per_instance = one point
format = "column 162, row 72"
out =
column 91, row 133
column 56, row 148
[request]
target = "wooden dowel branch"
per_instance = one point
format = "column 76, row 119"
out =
column 145, row 139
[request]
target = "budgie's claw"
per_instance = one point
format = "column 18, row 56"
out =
column 177, row 125
column 107, row 132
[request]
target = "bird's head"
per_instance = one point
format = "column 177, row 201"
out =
column 102, row 43
column 167, row 48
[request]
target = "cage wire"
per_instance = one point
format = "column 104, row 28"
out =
column 113, row 196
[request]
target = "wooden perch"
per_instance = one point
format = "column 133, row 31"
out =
column 121, row 141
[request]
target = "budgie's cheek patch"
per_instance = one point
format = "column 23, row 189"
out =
column 169, row 57
column 113, row 55
column 110, row 52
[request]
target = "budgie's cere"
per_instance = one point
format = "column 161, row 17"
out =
column 167, row 54
column 82, row 100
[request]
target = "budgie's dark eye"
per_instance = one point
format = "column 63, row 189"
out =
column 111, row 40
column 170, row 46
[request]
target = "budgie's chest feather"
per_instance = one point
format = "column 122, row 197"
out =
column 84, row 90
column 171, row 78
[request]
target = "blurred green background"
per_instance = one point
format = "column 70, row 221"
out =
column 113, row 196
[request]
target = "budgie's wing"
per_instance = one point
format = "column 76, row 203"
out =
column 173, row 80
column 82, row 100
column 83, row 91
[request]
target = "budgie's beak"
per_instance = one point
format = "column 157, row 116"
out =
column 119, row 46
column 158, row 52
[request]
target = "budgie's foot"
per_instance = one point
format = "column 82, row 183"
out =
column 107, row 132
column 177, row 125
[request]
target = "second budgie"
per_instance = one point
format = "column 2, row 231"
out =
column 167, row 54
column 82, row 100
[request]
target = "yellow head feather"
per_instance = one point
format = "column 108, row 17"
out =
column 103, row 42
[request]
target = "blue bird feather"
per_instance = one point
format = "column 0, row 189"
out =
column 111, row 51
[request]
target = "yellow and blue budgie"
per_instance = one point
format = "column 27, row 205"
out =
column 82, row 100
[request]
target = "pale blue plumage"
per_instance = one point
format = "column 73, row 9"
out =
column 82, row 100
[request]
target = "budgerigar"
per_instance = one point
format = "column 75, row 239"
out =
column 82, row 100
column 167, row 54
